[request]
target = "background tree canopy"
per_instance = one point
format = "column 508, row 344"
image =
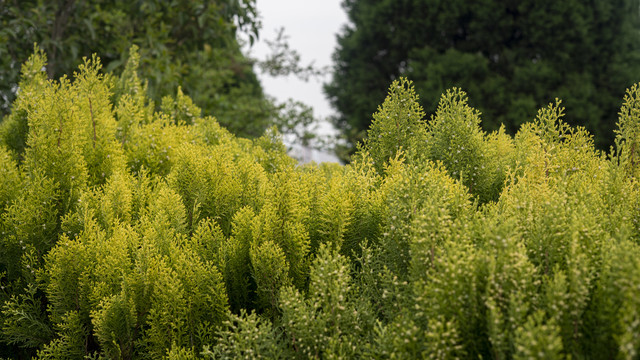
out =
column 512, row 57
column 186, row 43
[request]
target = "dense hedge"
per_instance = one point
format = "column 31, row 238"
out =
column 129, row 233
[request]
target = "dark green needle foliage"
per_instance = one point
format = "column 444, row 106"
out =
column 130, row 233
column 512, row 57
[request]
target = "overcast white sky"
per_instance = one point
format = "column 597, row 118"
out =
column 312, row 27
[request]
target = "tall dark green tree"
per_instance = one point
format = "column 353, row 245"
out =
column 512, row 57
column 188, row 43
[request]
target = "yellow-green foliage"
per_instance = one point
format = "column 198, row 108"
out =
column 10, row 179
column 415, row 190
column 397, row 125
column 331, row 322
column 455, row 138
column 247, row 336
column 15, row 126
column 270, row 271
column 132, row 233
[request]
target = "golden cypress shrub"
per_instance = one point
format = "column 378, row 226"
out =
column 134, row 232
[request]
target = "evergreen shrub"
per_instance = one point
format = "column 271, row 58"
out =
column 133, row 234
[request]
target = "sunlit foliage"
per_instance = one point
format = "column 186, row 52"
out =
column 128, row 233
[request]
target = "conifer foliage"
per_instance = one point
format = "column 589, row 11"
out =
column 128, row 233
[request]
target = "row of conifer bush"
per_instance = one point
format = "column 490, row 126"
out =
column 133, row 230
